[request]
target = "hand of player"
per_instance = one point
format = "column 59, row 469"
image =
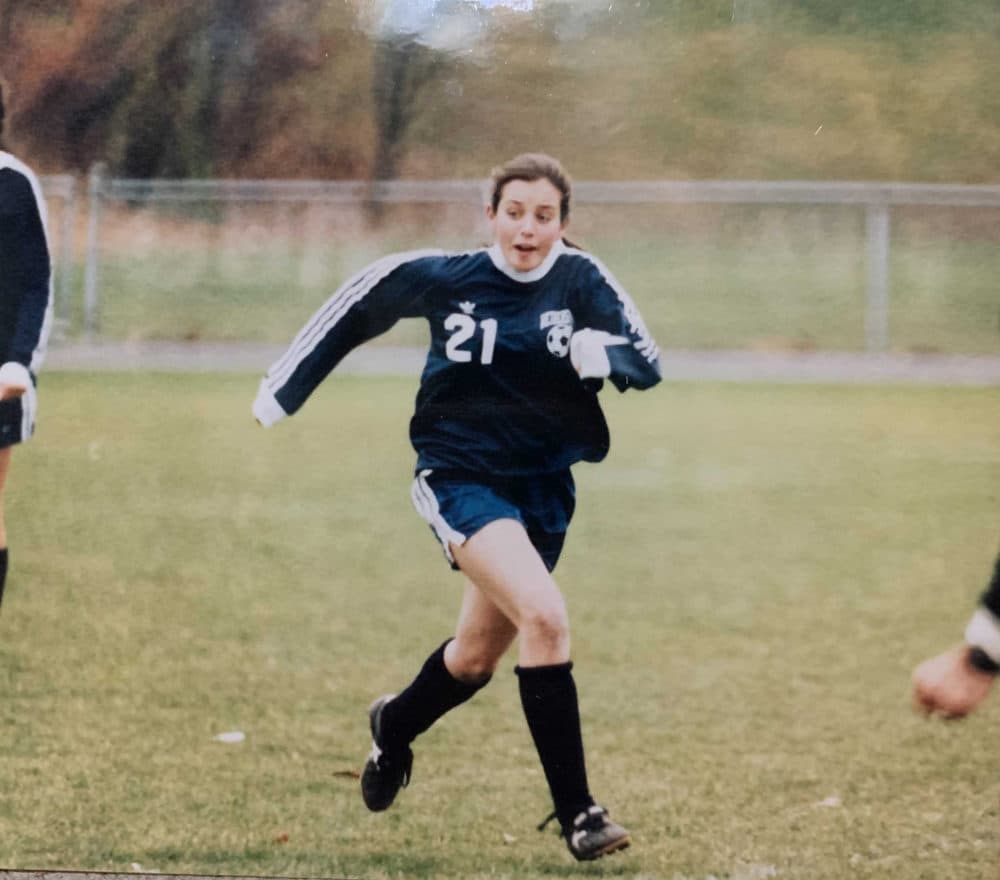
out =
column 8, row 392
column 948, row 685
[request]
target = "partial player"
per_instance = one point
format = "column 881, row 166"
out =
column 955, row 682
column 25, row 310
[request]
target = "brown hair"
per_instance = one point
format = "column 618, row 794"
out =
column 532, row 166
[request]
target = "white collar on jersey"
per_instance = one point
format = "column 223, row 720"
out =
column 535, row 274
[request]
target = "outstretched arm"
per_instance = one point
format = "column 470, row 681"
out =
column 955, row 682
column 364, row 307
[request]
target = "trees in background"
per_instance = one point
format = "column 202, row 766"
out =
column 432, row 88
column 189, row 88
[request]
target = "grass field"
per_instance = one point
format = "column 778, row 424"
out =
column 729, row 277
column 751, row 576
column 943, row 300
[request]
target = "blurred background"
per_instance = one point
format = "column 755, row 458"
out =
column 168, row 132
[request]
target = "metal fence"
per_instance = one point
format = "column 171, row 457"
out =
column 61, row 197
column 876, row 200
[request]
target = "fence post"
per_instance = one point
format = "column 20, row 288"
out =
column 65, row 309
column 877, row 303
column 95, row 195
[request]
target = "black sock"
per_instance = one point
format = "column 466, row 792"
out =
column 432, row 693
column 3, row 571
column 548, row 695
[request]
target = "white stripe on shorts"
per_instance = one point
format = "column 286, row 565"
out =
column 427, row 506
column 29, row 403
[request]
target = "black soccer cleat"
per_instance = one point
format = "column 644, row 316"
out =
column 593, row 835
column 386, row 770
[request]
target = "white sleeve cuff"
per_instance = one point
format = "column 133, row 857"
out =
column 983, row 632
column 266, row 408
column 16, row 375
column 588, row 355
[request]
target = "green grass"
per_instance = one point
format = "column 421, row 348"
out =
column 752, row 574
column 746, row 277
column 703, row 298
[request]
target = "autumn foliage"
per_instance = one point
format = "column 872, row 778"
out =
column 336, row 89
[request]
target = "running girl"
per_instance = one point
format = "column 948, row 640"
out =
column 523, row 335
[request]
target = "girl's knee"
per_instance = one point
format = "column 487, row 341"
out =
column 471, row 663
column 546, row 628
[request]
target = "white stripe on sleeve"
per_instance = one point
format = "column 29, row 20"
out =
column 333, row 310
column 644, row 343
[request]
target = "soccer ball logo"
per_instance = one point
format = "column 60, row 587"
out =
column 558, row 339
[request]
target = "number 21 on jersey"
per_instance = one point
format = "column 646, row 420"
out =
column 463, row 328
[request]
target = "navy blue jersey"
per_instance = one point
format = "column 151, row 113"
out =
column 498, row 393
column 25, row 271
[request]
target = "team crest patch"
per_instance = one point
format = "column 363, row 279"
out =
column 557, row 339
column 559, row 324
column 550, row 319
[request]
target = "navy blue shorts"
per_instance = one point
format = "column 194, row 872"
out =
column 17, row 418
column 457, row 505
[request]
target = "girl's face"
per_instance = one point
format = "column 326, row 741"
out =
column 526, row 222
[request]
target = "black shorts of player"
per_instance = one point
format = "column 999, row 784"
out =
column 456, row 505
column 17, row 418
